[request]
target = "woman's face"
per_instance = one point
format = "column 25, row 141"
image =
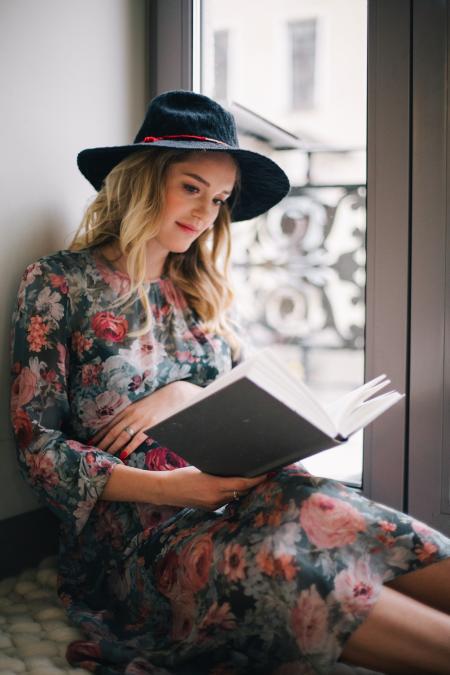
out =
column 195, row 190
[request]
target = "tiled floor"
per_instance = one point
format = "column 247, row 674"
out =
column 34, row 631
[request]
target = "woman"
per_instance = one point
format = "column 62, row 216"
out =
column 294, row 572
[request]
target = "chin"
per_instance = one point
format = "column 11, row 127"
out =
column 180, row 248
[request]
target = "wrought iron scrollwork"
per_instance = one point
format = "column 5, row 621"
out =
column 300, row 269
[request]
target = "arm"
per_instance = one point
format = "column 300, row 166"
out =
column 66, row 475
column 181, row 487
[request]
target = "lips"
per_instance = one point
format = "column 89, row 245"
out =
column 188, row 228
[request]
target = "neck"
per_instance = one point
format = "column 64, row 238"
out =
column 155, row 259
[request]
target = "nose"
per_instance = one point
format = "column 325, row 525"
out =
column 204, row 211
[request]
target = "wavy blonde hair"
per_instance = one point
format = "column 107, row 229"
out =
column 126, row 212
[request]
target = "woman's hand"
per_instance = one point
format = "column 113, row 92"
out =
column 191, row 487
column 141, row 415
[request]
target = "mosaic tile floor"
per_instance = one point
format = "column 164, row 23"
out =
column 34, row 631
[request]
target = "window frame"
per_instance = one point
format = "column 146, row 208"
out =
column 389, row 133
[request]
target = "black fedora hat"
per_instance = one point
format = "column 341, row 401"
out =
column 190, row 121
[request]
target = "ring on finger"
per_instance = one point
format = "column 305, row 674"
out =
column 236, row 495
column 130, row 431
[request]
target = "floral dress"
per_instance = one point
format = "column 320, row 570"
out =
column 275, row 583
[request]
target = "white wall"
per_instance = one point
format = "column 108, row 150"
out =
column 72, row 75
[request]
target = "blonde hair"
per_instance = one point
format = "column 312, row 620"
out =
column 126, row 212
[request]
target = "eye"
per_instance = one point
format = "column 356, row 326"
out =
column 193, row 189
column 219, row 202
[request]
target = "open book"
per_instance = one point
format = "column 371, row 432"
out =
column 259, row 417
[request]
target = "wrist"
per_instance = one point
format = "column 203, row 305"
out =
column 129, row 484
column 160, row 495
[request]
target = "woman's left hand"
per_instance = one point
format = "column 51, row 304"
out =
column 126, row 432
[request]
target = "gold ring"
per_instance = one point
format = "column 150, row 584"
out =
column 130, row 431
column 235, row 495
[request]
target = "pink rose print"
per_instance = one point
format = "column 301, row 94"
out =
column 110, row 327
column 195, row 563
column 103, row 408
column 166, row 574
column 356, row 588
column 77, row 446
column 42, row 470
column 184, row 612
column 163, row 459
column 197, row 333
column 82, row 651
column 309, row 621
column 23, row 389
column 426, row 552
column 330, row 522
column 186, row 357
column 59, row 281
column 22, row 428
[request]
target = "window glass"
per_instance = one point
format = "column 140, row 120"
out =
column 294, row 74
column 302, row 38
column 220, row 64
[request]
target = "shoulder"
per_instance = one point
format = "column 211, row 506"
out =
column 62, row 262
column 60, row 277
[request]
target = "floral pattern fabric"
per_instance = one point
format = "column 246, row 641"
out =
column 274, row 583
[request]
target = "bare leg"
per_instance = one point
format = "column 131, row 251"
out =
column 401, row 636
column 430, row 585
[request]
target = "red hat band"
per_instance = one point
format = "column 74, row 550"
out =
column 152, row 139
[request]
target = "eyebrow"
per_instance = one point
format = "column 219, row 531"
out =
column 202, row 180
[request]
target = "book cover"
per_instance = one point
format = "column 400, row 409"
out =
column 240, row 430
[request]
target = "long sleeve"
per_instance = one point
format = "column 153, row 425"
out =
column 66, row 475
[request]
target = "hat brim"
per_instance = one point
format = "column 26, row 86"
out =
column 263, row 183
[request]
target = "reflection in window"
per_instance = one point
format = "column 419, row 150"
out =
column 302, row 38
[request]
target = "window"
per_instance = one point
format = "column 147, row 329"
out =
column 299, row 270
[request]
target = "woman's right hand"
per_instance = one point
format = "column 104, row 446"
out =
column 141, row 415
column 191, row 487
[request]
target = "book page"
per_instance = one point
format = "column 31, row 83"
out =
column 270, row 373
column 367, row 412
column 340, row 409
